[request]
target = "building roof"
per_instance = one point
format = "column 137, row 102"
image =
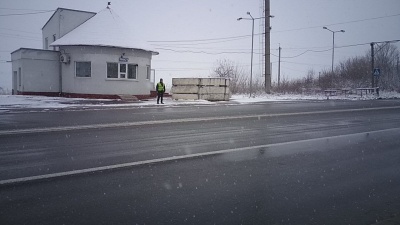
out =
column 34, row 49
column 107, row 29
column 59, row 9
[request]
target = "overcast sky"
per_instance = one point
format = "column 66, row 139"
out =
column 180, row 30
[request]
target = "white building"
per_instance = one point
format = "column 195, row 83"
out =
column 84, row 54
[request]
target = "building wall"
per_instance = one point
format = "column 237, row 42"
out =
column 37, row 71
column 62, row 22
column 98, row 83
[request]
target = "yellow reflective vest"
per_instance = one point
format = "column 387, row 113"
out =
column 160, row 87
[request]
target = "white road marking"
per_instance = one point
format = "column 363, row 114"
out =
column 141, row 123
column 173, row 158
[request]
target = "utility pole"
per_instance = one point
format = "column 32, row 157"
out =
column 267, row 48
column 252, row 47
column 398, row 73
column 333, row 48
column 279, row 67
column 372, row 65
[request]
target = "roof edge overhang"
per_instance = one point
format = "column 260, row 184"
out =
column 109, row 46
column 34, row 49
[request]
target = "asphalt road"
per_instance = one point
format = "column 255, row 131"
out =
column 325, row 162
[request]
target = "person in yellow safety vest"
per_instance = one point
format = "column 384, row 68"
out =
column 160, row 88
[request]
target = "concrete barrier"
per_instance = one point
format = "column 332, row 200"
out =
column 185, row 89
column 185, row 81
column 212, row 89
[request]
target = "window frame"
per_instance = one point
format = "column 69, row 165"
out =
column 136, row 66
column 113, row 74
column 123, row 74
column 148, row 72
column 76, row 75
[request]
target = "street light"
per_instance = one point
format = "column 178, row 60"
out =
column 252, row 46
column 333, row 44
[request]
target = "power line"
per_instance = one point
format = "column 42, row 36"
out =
column 181, row 69
column 25, row 9
column 204, row 52
column 219, row 49
column 180, row 61
column 17, row 35
column 381, row 47
column 202, row 68
column 215, row 40
column 23, row 14
column 202, row 40
column 302, row 48
column 309, row 64
column 204, row 43
column 353, row 45
column 332, row 24
column 21, row 37
column 247, row 36
column 19, row 31
column 343, row 46
column 289, row 57
column 245, row 52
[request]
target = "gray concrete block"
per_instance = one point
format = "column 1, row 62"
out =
column 185, row 89
column 185, row 81
column 213, row 90
column 214, row 82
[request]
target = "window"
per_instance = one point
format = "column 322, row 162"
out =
column 83, row 69
column 148, row 72
column 112, row 70
column 122, row 71
column 132, row 71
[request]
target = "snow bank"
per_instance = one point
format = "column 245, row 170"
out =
column 243, row 99
column 41, row 102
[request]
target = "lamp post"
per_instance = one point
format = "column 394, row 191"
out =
column 333, row 45
column 252, row 46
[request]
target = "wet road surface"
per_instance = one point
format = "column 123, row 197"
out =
column 296, row 167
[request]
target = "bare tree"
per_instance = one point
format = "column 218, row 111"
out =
column 309, row 80
column 386, row 58
column 226, row 68
column 356, row 72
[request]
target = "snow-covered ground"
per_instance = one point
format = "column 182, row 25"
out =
column 40, row 102
column 294, row 97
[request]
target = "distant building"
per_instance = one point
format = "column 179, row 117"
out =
column 84, row 54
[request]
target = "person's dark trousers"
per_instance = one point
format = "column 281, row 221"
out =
column 160, row 95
